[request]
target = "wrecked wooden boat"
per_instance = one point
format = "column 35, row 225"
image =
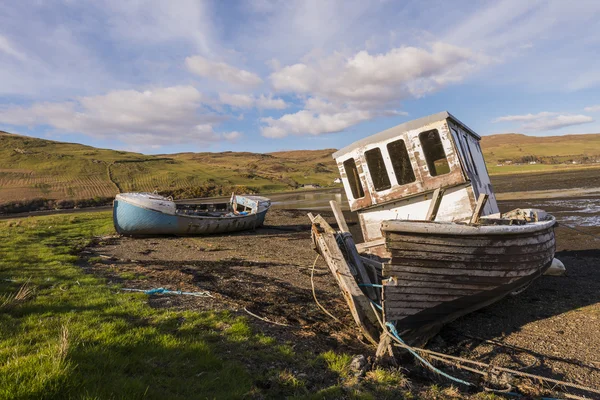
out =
column 435, row 245
column 145, row 214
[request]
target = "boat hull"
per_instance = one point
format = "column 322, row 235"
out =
column 134, row 220
column 440, row 272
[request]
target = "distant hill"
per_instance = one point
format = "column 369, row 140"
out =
column 512, row 146
column 38, row 168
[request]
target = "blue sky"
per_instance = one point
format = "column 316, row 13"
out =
column 160, row 77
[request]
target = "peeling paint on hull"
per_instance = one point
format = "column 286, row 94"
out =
column 133, row 220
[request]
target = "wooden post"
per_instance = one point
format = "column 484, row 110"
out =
column 434, row 206
column 479, row 208
column 339, row 216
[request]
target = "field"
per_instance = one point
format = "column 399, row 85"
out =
column 33, row 168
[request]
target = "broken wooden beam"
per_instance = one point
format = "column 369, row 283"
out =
column 339, row 216
column 479, row 208
column 434, row 206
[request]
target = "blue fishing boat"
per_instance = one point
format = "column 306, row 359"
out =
column 145, row 214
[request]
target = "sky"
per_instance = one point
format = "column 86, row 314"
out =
column 187, row 75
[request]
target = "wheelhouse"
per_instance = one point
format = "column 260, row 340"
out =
column 391, row 175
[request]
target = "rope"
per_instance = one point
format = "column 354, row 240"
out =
column 166, row 291
column 312, row 283
column 370, row 285
column 444, row 358
column 424, row 361
column 265, row 319
column 375, row 304
column 577, row 230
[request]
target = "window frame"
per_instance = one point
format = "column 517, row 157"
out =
column 354, row 180
column 431, row 163
column 382, row 171
column 409, row 162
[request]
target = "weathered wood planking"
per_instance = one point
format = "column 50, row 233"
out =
column 443, row 271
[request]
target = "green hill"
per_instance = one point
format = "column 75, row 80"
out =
column 39, row 168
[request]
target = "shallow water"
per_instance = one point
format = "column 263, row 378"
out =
column 575, row 212
column 309, row 200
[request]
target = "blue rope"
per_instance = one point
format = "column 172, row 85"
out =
column 167, row 291
column 418, row 357
column 376, row 305
column 370, row 285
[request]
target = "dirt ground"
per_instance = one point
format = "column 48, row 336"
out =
column 551, row 329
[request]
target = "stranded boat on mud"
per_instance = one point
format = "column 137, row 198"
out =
column 435, row 245
column 140, row 214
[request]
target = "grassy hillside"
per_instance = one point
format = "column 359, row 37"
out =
column 38, row 168
column 549, row 153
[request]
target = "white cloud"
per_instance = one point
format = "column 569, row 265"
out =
column 232, row 136
column 400, row 73
column 269, row 103
column 154, row 117
column 8, row 48
column 248, row 101
column 343, row 91
column 308, row 122
column 157, row 21
column 545, row 121
column 237, row 100
column 221, row 71
column 595, row 108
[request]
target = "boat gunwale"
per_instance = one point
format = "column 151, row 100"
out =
column 455, row 229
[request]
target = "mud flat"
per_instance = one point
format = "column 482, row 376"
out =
column 585, row 178
column 551, row 329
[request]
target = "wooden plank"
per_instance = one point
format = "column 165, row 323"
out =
column 434, row 206
column 362, row 247
column 339, row 216
column 359, row 304
column 505, row 250
column 479, row 208
column 399, row 255
column 416, row 292
column 470, row 272
column 409, row 285
column 481, row 240
column 407, row 298
column 405, row 276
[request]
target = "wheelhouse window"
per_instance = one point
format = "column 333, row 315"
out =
column 401, row 162
column 434, row 153
column 353, row 178
column 377, row 170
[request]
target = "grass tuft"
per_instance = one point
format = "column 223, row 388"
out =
column 10, row 300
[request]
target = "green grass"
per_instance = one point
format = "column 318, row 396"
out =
column 75, row 337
